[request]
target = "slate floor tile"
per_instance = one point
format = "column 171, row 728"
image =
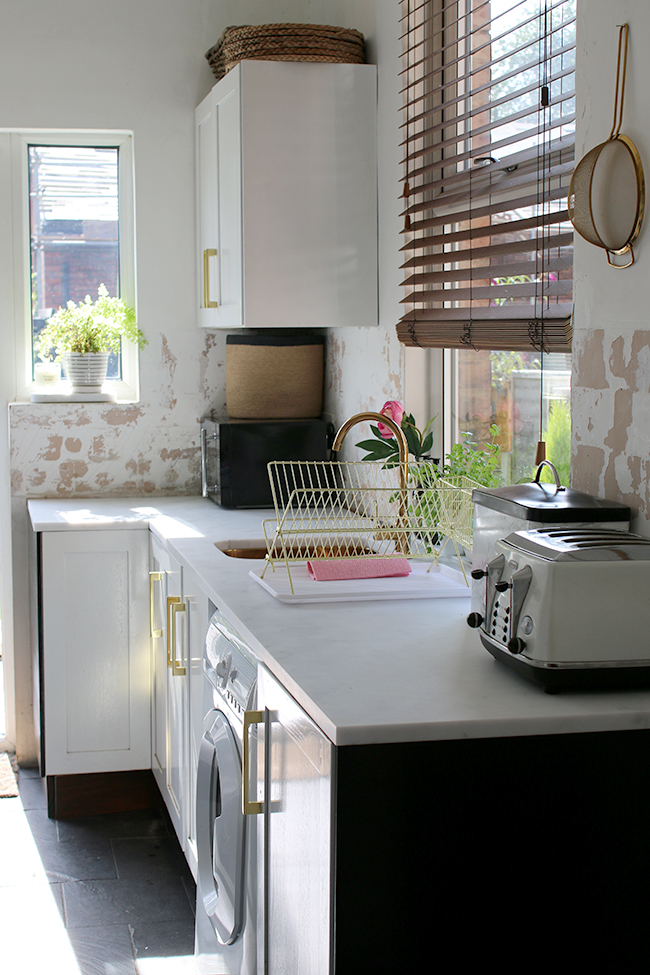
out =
column 141, row 858
column 97, row 902
column 172, row 941
column 103, row 949
column 43, row 829
column 37, row 940
column 146, row 822
column 31, row 788
column 90, row 857
column 19, row 859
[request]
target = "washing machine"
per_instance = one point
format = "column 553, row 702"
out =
column 226, row 941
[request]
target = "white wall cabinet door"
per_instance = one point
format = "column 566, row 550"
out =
column 219, row 206
column 287, row 197
column 295, row 847
column 96, row 651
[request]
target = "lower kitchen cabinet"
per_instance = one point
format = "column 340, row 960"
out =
column 95, row 651
column 295, row 844
column 385, row 857
column 179, row 616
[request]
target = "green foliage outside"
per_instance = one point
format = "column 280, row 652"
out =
column 558, row 441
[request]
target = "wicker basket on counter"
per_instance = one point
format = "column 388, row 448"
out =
column 285, row 42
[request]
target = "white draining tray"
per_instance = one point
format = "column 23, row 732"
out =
column 440, row 582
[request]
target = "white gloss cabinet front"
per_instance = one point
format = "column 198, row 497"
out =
column 295, row 851
column 96, row 651
column 286, row 157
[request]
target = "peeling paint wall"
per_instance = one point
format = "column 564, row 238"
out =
column 364, row 366
column 611, row 350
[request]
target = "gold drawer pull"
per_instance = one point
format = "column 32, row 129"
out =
column 176, row 608
column 153, row 577
column 249, row 808
column 170, row 602
column 207, row 254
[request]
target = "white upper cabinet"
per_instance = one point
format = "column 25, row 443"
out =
column 287, row 197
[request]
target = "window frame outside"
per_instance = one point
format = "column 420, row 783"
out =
column 19, row 140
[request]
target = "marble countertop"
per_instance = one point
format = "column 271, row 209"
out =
column 366, row 672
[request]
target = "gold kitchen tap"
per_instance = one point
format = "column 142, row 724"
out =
column 401, row 539
column 390, row 423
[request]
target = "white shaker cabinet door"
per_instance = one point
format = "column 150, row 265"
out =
column 219, row 206
column 198, row 610
column 169, row 714
column 295, row 856
column 286, row 157
column 96, row 651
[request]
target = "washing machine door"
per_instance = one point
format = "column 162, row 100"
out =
column 220, row 828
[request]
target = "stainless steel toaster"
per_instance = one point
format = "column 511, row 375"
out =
column 569, row 607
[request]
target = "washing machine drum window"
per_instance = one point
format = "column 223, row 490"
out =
column 220, row 828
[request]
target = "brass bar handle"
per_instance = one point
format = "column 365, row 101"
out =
column 176, row 608
column 170, row 602
column 153, row 577
column 207, row 254
column 249, row 808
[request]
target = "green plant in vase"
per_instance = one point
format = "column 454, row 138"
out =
column 83, row 336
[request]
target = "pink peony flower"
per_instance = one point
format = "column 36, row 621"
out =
column 395, row 411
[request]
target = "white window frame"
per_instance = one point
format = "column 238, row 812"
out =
column 127, row 389
column 430, row 380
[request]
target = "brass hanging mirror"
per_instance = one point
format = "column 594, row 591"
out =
column 602, row 206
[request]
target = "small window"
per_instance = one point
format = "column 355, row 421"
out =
column 74, row 230
column 71, row 196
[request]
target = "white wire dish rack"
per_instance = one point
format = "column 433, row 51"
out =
column 359, row 509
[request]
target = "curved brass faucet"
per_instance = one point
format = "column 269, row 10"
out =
column 401, row 538
column 402, row 445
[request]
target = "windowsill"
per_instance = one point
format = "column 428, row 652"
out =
column 113, row 391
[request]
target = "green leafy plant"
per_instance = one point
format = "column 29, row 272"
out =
column 89, row 326
column 465, row 459
column 385, row 448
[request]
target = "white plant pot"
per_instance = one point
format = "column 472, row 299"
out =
column 86, row 370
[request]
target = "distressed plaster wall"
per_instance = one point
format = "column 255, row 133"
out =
column 611, row 358
column 365, row 367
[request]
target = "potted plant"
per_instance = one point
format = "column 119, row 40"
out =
column 83, row 336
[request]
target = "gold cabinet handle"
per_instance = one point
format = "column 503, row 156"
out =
column 249, row 808
column 176, row 608
column 153, row 577
column 171, row 600
column 207, row 254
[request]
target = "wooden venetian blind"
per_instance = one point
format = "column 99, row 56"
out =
column 488, row 125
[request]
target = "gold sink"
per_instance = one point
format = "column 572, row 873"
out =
column 256, row 549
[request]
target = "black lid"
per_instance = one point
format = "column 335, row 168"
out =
column 549, row 505
column 276, row 338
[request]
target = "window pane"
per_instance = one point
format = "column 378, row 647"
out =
column 506, row 390
column 74, row 222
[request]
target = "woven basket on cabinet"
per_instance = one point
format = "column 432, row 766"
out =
column 285, row 42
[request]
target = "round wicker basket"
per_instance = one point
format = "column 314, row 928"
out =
column 285, row 42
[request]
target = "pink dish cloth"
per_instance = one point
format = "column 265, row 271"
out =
column 329, row 570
